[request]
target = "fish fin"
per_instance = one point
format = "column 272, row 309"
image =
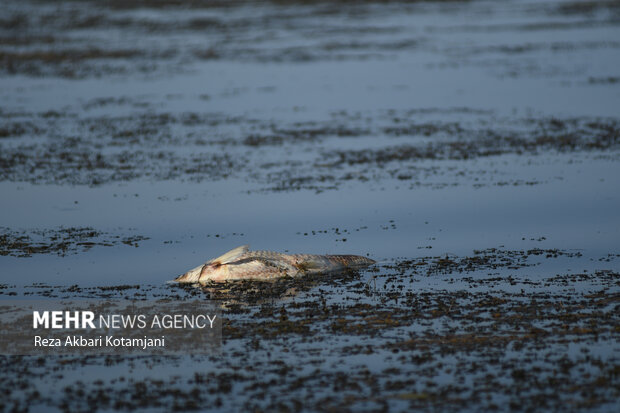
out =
column 231, row 255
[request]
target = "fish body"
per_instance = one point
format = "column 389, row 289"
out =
column 243, row 264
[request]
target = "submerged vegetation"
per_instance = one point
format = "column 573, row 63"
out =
column 471, row 148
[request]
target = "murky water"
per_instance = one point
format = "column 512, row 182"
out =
column 471, row 148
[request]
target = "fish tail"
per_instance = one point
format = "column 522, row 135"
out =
column 317, row 263
column 351, row 260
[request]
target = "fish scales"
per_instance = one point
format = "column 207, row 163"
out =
column 314, row 261
column 240, row 264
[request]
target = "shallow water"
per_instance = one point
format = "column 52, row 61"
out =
column 188, row 223
column 471, row 148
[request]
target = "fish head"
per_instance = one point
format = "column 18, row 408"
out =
column 213, row 270
column 191, row 276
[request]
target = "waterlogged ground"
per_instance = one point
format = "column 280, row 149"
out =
column 471, row 148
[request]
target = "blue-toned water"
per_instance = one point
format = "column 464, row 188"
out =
column 471, row 148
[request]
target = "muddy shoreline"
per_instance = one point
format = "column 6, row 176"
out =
column 471, row 148
column 466, row 347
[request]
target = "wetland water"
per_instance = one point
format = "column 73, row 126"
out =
column 471, row 148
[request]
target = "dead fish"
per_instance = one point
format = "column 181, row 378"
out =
column 243, row 264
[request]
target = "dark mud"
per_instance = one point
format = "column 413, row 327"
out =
column 60, row 241
column 470, row 147
column 449, row 348
column 70, row 41
column 209, row 147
